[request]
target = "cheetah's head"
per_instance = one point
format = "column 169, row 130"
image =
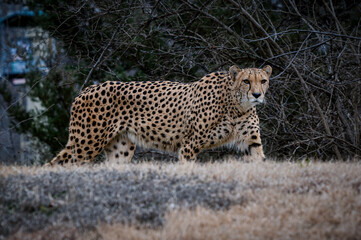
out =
column 250, row 84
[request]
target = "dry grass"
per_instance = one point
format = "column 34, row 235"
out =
column 283, row 201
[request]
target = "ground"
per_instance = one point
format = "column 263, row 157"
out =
column 154, row 200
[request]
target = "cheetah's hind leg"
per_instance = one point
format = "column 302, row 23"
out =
column 63, row 157
column 120, row 149
column 73, row 154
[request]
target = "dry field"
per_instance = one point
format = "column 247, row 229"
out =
column 224, row 200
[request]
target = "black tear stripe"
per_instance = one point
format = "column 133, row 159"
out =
column 249, row 89
column 250, row 84
column 253, row 145
column 261, row 83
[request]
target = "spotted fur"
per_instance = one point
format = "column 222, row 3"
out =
column 219, row 109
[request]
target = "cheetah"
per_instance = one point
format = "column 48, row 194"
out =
column 185, row 118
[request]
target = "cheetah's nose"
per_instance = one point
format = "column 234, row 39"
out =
column 256, row 95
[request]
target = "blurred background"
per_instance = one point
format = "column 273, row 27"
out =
column 50, row 50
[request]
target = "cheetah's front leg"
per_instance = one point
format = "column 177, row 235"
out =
column 251, row 145
column 249, row 137
column 254, row 153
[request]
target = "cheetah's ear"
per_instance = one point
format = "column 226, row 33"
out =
column 233, row 71
column 268, row 70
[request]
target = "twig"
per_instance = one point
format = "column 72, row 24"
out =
column 302, row 31
column 98, row 61
column 294, row 57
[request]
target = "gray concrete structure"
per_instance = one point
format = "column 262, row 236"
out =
column 23, row 47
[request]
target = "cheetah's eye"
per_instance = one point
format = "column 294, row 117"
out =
column 263, row 81
column 246, row 81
